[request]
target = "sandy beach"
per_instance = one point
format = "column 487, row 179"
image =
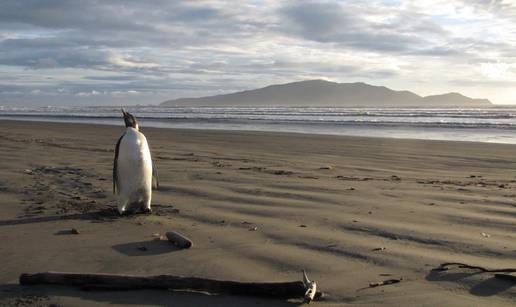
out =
column 260, row 207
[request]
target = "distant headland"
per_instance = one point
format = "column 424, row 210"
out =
column 321, row 93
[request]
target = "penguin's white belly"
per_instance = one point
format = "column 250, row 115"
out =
column 134, row 172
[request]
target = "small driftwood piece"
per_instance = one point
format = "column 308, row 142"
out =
column 384, row 282
column 90, row 281
column 179, row 240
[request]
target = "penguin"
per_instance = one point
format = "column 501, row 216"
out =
column 133, row 170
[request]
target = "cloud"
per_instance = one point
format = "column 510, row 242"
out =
column 116, row 59
column 349, row 26
column 111, row 78
column 19, row 53
column 484, row 83
column 53, row 50
column 62, row 14
column 39, row 53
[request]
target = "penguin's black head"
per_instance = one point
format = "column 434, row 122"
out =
column 130, row 120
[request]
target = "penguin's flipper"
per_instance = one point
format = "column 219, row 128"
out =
column 115, row 165
column 155, row 176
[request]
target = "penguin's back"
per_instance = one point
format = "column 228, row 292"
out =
column 134, row 166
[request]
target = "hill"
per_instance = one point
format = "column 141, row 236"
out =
column 324, row 93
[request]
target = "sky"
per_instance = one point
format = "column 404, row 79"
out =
column 61, row 52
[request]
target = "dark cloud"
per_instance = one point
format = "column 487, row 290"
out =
column 120, row 23
column 104, row 16
column 501, row 8
column 330, row 22
column 437, row 51
column 92, row 33
column 50, row 53
column 111, row 78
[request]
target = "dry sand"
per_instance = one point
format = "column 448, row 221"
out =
column 319, row 203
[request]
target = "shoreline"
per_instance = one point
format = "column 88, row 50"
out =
column 349, row 210
column 206, row 130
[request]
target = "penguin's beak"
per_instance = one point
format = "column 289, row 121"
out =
column 124, row 112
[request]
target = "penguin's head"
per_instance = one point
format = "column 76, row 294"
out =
column 130, row 120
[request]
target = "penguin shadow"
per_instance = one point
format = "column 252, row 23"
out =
column 146, row 248
column 109, row 214
column 477, row 286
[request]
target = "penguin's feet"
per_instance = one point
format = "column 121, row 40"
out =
column 126, row 212
column 146, row 210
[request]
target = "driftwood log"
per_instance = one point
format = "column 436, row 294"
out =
column 91, row 281
column 179, row 240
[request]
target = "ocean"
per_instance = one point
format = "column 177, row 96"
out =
column 496, row 125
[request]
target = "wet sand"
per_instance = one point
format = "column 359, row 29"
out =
column 260, row 207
